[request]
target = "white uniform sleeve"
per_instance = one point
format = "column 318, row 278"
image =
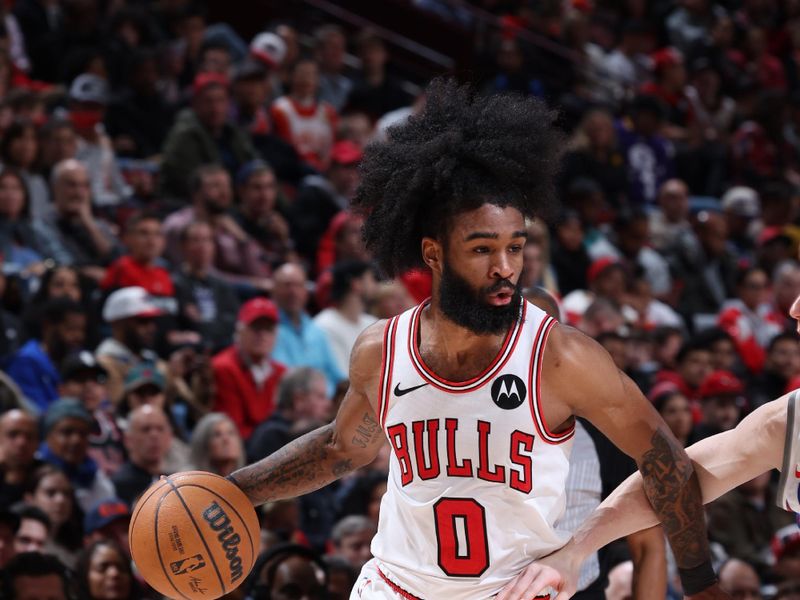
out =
column 789, row 487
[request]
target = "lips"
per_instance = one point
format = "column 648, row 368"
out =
column 501, row 298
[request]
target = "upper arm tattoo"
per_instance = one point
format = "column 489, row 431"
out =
column 673, row 489
column 365, row 431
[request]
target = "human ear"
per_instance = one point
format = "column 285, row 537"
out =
column 432, row 253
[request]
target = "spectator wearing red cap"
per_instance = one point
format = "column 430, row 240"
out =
column 305, row 122
column 668, row 86
column 749, row 318
column 721, row 404
column 203, row 134
column 245, row 374
column 786, row 550
column 320, row 199
column 606, row 279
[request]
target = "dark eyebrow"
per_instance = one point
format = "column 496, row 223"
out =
column 486, row 235
column 481, row 235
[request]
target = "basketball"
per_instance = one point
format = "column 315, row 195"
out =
column 194, row 535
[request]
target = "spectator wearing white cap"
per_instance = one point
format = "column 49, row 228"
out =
column 278, row 50
column 131, row 313
column 742, row 209
column 88, row 98
column 72, row 235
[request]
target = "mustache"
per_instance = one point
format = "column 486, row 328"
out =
column 500, row 285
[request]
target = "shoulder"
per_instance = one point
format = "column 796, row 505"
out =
column 367, row 354
column 225, row 359
column 576, row 369
column 773, row 417
column 568, row 346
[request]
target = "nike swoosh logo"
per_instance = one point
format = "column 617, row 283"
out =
column 398, row 392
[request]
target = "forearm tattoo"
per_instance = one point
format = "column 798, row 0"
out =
column 304, row 465
column 673, row 489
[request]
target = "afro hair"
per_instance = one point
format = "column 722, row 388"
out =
column 462, row 151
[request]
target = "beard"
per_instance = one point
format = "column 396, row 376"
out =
column 467, row 307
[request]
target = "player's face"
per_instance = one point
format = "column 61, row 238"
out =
column 480, row 269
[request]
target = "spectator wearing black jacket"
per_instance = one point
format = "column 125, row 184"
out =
column 206, row 304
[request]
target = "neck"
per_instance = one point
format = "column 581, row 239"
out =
column 453, row 339
column 254, row 359
column 351, row 307
column 197, row 270
column 152, row 467
column 295, row 318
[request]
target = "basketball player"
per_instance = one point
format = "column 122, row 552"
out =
column 768, row 438
column 475, row 389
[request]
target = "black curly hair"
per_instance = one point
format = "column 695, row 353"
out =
column 462, row 151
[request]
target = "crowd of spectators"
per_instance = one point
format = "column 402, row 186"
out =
column 182, row 280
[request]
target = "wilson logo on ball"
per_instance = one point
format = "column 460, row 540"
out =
column 219, row 521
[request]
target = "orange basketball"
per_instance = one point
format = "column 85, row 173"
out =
column 194, row 535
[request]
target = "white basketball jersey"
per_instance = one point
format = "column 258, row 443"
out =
column 789, row 488
column 476, row 479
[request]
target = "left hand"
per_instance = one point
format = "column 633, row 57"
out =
column 558, row 571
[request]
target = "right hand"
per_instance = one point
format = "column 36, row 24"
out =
column 558, row 571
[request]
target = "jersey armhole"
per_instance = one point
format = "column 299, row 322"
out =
column 788, row 450
column 535, row 387
column 387, row 363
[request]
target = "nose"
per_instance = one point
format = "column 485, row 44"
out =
column 502, row 267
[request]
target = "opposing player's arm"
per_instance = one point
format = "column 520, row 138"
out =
column 314, row 460
column 581, row 373
column 722, row 462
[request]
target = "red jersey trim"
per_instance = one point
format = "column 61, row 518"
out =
column 506, row 351
column 535, row 386
column 386, row 368
column 396, row 588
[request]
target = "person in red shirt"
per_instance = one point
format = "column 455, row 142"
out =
column 246, row 377
column 145, row 241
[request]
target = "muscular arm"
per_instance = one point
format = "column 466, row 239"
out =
column 326, row 454
column 649, row 563
column 722, row 462
column 582, row 376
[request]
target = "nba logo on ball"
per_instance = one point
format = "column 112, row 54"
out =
column 508, row 392
column 194, row 535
